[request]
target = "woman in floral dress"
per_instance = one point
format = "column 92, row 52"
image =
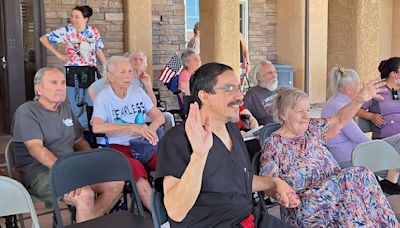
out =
column 330, row 196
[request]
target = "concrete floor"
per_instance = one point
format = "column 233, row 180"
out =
column 46, row 220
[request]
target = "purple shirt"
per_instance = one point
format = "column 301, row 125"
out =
column 343, row 144
column 390, row 110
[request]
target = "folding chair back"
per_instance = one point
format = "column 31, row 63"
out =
column 10, row 158
column 266, row 131
column 376, row 155
column 80, row 169
column 260, row 196
column 158, row 211
column 89, row 135
column 15, row 199
column 10, row 161
column 364, row 124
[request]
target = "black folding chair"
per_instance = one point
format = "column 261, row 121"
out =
column 100, row 165
column 260, row 198
column 266, row 131
column 89, row 135
column 158, row 211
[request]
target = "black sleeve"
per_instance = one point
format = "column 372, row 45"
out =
column 174, row 153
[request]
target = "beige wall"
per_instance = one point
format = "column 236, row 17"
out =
column 219, row 21
column 318, row 42
column 396, row 28
column 341, row 33
column 385, row 29
column 354, row 35
column 290, row 37
column 367, row 36
column 138, row 28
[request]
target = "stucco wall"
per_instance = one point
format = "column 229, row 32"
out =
column 354, row 35
column 290, row 37
column 396, row 28
column 318, row 42
column 385, row 29
column 220, row 32
column 341, row 33
column 367, row 36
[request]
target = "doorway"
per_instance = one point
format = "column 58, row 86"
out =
column 20, row 55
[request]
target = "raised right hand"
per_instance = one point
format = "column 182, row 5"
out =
column 200, row 137
column 146, row 80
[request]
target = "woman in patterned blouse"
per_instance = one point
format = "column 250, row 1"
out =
column 330, row 196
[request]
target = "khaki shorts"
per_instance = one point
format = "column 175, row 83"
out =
column 40, row 188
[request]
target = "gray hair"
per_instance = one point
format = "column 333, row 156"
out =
column 39, row 78
column 340, row 77
column 110, row 64
column 285, row 99
column 141, row 53
column 186, row 55
column 256, row 70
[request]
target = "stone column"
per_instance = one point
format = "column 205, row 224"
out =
column 138, row 28
column 386, row 16
column 219, row 34
column 292, row 43
column 396, row 28
column 354, row 35
column 290, row 37
column 318, row 48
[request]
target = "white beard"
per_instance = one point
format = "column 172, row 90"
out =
column 273, row 85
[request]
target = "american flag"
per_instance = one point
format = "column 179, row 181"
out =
column 173, row 67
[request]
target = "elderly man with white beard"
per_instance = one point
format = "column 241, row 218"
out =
column 264, row 81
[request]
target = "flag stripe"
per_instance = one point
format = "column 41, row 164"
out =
column 172, row 68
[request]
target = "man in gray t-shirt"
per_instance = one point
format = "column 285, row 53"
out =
column 264, row 80
column 46, row 129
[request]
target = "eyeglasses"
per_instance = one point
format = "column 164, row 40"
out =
column 231, row 89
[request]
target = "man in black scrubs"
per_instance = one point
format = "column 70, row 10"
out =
column 203, row 168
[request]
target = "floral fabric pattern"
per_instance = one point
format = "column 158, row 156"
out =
column 80, row 47
column 330, row 196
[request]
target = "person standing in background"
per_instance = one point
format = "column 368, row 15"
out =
column 195, row 41
column 83, row 44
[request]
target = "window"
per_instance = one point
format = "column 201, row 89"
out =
column 192, row 17
column 243, row 20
